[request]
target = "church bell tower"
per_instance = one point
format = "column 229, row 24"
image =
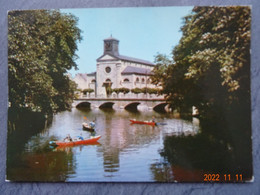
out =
column 111, row 46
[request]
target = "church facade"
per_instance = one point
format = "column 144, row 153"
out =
column 116, row 71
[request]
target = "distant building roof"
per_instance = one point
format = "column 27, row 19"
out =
column 136, row 70
column 81, row 75
column 92, row 74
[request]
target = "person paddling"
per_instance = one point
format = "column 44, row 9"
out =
column 92, row 124
column 80, row 137
column 153, row 120
column 68, row 138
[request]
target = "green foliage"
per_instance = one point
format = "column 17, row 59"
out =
column 41, row 49
column 116, row 90
column 88, row 90
column 153, row 91
column 121, row 90
column 160, row 70
column 144, row 90
column 136, row 90
column 149, row 90
column 124, row 90
column 211, row 63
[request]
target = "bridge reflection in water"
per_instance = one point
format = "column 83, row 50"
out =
column 158, row 105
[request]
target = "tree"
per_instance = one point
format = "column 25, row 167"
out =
column 88, row 90
column 163, row 63
column 211, row 64
column 124, row 90
column 121, row 90
column 136, row 90
column 116, row 90
column 41, row 49
column 210, row 69
column 153, row 91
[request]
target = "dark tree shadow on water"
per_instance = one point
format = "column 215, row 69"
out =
column 222, row 146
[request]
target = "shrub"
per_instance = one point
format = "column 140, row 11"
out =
column 136, row 90
column 116, row 90
column 124, row 90
column 85, row 91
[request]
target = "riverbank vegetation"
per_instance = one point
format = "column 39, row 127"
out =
column 41, row 50
column 210, row 69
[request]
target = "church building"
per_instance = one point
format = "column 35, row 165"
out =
column 116, row 71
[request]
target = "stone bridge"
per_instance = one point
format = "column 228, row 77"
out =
column 158, row 105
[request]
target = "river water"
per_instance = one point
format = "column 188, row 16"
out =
column 168, row 152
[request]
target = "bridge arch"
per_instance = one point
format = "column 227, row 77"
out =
column 160, row 107
column 132, row 106
column 106, row 105
column 86, row 105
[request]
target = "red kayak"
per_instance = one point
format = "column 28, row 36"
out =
column 64, row 148
column 143, row 122
column 78, row 142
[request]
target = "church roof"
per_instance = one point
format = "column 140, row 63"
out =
column 126, row 58
column 129, row 59
column 136, row 70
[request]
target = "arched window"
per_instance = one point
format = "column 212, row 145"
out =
column 108, row 80
column 93, row 81
column 137, row 79
column 126, row 80
column 148, row 81
column 143, row 80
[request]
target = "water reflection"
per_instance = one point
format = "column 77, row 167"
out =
column 46, row 166
column 190, row 157
column 125, row 152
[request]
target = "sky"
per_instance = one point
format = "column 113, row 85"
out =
column 143, row 32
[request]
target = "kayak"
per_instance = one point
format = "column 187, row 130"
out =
column 91, row 140
column 143, row 122
column 65, row 148
column 87, row 127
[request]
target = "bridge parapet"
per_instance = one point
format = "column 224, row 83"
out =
column 122, row 103
column 121, row 99
column 123, row 96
